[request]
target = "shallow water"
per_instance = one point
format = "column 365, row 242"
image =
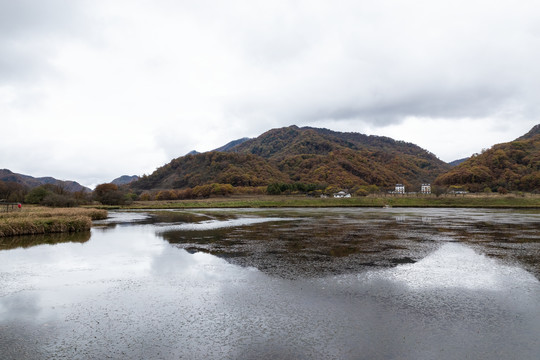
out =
column 280, row 284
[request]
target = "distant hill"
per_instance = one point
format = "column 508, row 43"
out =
column 504, row 167
column 307, row 155
column 231, row 144
column 532, row 133
column 223, row 148
column 31, row 182
column 457, row 162
column 125, row 179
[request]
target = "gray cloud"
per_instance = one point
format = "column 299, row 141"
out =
column 29, row 33
column 383, row 62
column 431, row 103
column 166, row 77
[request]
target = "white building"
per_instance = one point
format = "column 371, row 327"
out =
column 400, row 189
column 425, row 189
column 342, row 194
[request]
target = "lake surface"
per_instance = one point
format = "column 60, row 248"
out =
column 277, row 284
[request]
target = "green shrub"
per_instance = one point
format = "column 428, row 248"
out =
column 37, row 194
column 56, row 200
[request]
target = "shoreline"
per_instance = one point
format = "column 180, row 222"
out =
column 294, row 201
column 32, row 220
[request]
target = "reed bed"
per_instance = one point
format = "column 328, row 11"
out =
column 41, row 220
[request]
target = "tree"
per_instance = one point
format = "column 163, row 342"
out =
column 12, row 191
column 59, row 200
column 438, row 190
column 110, row 194
column 55, row 196
column 37, row 194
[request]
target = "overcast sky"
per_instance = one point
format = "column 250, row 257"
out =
column 91, row 90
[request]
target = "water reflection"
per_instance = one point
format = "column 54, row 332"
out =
column 327, row 284
column 116, row 217
column 459, row 266
column 217, row 224
column 13, row 242
column 310, row 243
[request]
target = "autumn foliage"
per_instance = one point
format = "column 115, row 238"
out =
column 513, row 166
column 295, row 155
column 111, row 194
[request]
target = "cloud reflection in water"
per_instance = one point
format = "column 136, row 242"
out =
column 127, row 293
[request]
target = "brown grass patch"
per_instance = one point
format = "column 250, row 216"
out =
column 42, row 220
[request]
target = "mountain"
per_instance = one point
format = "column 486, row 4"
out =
column 532, row 133
column 292, row 140
column 223, row 148
column 125, row 179
column 504, row 167
column 232, row 144
column 457, row 162
column 313, row 155
column 31, row 182
column 306, row 155
column 212, row 167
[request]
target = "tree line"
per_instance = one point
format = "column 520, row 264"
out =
column 47, row 194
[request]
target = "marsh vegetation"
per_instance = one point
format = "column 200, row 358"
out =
column 42, row 220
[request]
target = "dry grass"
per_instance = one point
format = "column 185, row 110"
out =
column 527, row 201
column 42, row 220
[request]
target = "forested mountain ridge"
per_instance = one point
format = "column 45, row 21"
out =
column 313, row 155
column 32, row 182
column 212, row 167
column 284, row 142
column 302, row 155
column 510, row 166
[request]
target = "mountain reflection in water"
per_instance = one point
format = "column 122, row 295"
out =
column 325, row 284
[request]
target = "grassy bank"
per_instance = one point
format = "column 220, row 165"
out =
column 42, row 220
column 267, row 201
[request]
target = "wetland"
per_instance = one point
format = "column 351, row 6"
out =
column 288, row 283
